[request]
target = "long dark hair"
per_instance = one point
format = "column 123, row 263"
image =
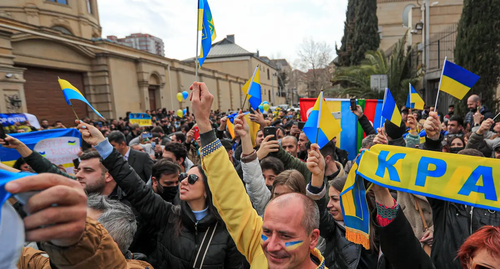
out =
column 176, row 217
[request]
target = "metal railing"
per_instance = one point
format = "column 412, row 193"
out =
column 442, row 45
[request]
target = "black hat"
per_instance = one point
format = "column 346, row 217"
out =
column 394, row 131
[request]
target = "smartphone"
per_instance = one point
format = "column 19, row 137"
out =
column 353, row 104
column 187, row 111
column 270, row 131
column 76, row 163
column 252, row 110
column 146, row 135
column 2, row 134
column 196, row 133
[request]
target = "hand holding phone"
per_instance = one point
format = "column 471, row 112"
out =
column 196, row 133
column 353, row 104
column 270, row 131
column 3, row 135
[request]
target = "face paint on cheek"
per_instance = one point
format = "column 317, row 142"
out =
column 293, row 245
column 264, row 238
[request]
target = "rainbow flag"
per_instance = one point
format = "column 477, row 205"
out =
column 355, row 209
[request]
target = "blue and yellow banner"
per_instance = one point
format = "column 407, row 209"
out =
column 143, row 119
column 60, row 146
column 456, row 178
column 355, row 209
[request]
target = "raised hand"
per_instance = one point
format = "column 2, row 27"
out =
column 380, row 138
column 358, row 112
column 316, row 161
column 412, row 123
column 14, row 143
column 90, row 134
column 267, row 146
column 432, row 126
column 485, row 126
column 240, row 126
column 258, row 118
column 57, row 213
column 190, row 135
column 201, row 101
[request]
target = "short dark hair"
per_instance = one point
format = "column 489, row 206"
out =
column 117, row 137
column 458, row 119
column 329, row 150
column 180, row 136
column 452, row 106
column 471, row 152
column 227, row 144
column 178, row 149
column 93, row 154
column 165, row 167
column 157, row 129
column 272, row 163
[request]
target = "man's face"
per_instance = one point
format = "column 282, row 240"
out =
column 451, row 109
column 260, row 138
column 174, row 139
column 404, row 116
column 91, row 176
column 269, row 176
column 289, row 145
column 167, row 181
column 45, row 123
column 120, row 147
column 454, row 128
column 294, row 130
column 471, row 104
column 302, row 141
column 286, row 243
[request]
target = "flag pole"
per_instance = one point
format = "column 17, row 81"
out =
column 440, row 80
column 409, row 92
column 74, row 112
column 319, row 114
column 197, row 43
column 383, row 104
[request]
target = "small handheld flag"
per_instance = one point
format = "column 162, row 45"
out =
column 252, row 90
column 72, row 93
column 390, row 109
column 456, row 80
column 321, row 126
column 414, row 101
column 207, row 28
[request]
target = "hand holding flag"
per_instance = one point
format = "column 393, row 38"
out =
column 390, row 109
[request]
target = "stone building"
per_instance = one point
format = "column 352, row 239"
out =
column 42, row 40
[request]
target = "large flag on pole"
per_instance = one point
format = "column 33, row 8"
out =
column 253, row 89
column 456, row 80
column 321, row 126
column 390, row 110
column 207, row 28
column 72, row 93
column 414, row 101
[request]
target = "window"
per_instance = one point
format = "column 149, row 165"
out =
column 64, row 2
column 268, row 77
column 89, row 6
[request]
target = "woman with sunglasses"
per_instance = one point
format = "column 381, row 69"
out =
column 190, row 235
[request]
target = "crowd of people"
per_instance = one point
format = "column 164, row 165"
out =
column 186, row 193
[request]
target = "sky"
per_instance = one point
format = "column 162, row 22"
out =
column 276, row 28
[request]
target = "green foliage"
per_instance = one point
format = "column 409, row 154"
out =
column 478, row 48
column 400, row 69
column 360, row 32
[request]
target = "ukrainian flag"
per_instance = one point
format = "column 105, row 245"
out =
column 253, row 126
column 72, row 93
column 355, row 209
column 456, row 80
column 207, row 28
column 390, row 110
column 321, row 126
column 414, row 101
column 253, row 89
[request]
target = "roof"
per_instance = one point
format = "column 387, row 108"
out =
column 225, row 48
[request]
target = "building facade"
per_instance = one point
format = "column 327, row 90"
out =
column 144, row 42
column 42, row 40
column 227, row 56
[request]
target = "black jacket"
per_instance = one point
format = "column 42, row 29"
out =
column 341, row 253
column 453, row 223
column 172, row 250
column 142, row 163
column 366, row 125
column 400, row 246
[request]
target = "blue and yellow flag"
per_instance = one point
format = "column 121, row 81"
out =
column 5, row 177
column 254, row 127
column 390, row 110
column 355, row 209
column 456, row 80
column 321, row 126
column 414, row 101
column 72, row 93
column 207, row 28
column 253, row 89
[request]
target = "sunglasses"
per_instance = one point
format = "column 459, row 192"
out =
column 191, row 178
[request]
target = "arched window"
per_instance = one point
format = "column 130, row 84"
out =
column 62, row 29
column 406, row 14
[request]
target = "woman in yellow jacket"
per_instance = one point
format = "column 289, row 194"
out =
column 288, row 236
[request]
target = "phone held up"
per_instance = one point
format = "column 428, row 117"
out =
column 270, row 131
column 3, row 135
column 353, row 104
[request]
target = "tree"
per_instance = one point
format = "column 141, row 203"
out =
column 315, row 57
column 344, row 53
column 400, row 68
column 477, row 48
column 366, row 36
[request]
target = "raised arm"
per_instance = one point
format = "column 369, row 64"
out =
column 152, row 207
column 229, row 196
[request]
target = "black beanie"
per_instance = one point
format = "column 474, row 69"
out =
column 394, row 131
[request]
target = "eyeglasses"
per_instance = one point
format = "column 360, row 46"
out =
column 191, row 178
column 480, row 266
